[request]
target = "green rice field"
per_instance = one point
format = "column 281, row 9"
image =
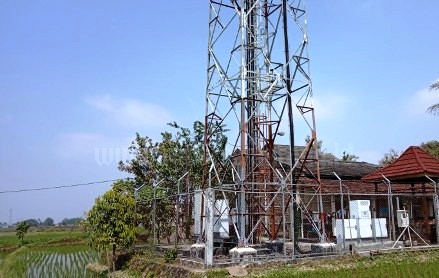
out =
column 61, row 261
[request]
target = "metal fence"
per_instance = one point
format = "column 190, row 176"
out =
column 212, row 229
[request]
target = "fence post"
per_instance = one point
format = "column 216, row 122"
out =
column 292, row 231
column 390, row 208
column 283, row 217
column 342, row 212
column 210, row 204
column 436, row 215
column 177, row 210
column 436, row 208
column 373, row 209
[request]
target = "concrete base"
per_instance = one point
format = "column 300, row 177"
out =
column 197, row 250
column 275, row 246
column 323, row 248
column 242, row 253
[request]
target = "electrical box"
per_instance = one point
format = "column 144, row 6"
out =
column 403, row 218
column 360, row 209
column 221, row 218
column 360, row 228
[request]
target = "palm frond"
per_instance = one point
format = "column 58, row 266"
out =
column 434, row 86
column 434, row 109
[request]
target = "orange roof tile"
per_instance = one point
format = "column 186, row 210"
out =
column 413, row 163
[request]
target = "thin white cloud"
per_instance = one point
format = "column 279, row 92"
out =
column 78, row 144
column 92, row 147
column 330, row 106
column 130, row 112
column 104, row 103
column 419, row 102
column 370, row 156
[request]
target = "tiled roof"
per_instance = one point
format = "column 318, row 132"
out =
column 358, row 187
column 413, row 163
column 328, row 162
column 346, row 169
column 282, row 153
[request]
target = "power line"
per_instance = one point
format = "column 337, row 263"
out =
column 60, row 186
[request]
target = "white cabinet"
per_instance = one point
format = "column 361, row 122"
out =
column 360, row 228
column 360, row 209
column 221, row 218
column 380, row 227
column 360, row 224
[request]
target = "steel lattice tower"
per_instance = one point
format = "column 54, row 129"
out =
column 259, row 87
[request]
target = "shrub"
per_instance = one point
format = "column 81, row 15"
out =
column 170, row 255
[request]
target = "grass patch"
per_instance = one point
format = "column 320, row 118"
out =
column 12, row 263
column 2, row 258
column 8, row 240
column 406, row 269
column 399, row 264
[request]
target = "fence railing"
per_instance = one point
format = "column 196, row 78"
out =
column 208, row 225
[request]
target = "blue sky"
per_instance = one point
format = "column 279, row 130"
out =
column 79, row 78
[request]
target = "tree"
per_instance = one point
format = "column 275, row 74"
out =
column 319, row 144
column 111, row 221
column 71, row 221
column 21, row 230
column 434, row 109
column 431, row 147
column 178, row 152
column 347, row 157
column 48, row 222
column 32, row 222
column 389, row 158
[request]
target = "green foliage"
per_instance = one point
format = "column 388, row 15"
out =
column 31, row 222
column 431, row 147
column 21, row 231
column 178, row 152
column 399, row 264
column 347, row 157
column 48, row 262
column 48, row 222
column 170, row 255
column 13, row 266
column 318, row 142
column 71, row 221
column 434, row 109
column 122, row 260
column 111, row 221
column 389, row 158
column 8, row 240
